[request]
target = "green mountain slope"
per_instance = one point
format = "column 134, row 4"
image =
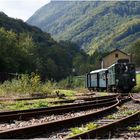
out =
column 91, row 24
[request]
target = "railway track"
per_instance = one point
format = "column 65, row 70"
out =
column 135, row 97
column 129, row 132
column 67, row 122
column 107, row 124
column 25, row 114
column 84, row 98
column 28, row 131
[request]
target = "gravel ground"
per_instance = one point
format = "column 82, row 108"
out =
column 125, row 133
column 129, row 106
column 136, row 95
column 44, row 119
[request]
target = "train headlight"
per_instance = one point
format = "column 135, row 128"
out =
column 133, row 80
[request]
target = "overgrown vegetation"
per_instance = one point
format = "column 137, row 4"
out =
column 23, row 105
column 78, row 130
column 30, row 104
column 31, row 85
column 122, row 112
column 26, row 84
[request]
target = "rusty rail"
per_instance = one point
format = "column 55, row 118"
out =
column 134, row 99
column 100, row 131
column 25, row 114
column 28, row 132
column 37, row 98
column 59, row 101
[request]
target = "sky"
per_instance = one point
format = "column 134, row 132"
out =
column 21, row 9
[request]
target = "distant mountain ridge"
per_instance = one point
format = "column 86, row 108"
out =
column 91, row 24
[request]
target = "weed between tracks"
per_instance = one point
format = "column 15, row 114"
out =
column 87, row 127
column 123, row 111
column 134, row 128
column 23, row 105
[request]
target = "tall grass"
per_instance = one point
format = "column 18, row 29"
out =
column 26, row 84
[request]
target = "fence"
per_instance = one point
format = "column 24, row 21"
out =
column 7, row 76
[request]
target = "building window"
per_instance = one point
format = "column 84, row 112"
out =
column 116, row 55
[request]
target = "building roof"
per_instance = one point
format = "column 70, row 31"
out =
column 96, row 71
column 115, row 51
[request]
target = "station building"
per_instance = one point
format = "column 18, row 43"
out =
column 113, row 57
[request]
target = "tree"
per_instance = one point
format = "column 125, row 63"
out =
column 52, row 69
column 27, row 57
column 135, row 50
column 8, row 51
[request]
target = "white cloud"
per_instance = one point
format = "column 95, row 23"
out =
column 21, row 9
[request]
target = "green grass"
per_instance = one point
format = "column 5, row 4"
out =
column 137, row 87
column 27, row 86
column 22, row 105
column 122, row 111
column 87, row 127
column 29, row 104
column 134, row 128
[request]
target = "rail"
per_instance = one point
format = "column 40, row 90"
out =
column 100, row 131
column 24, row 114
column 28, row 132
column 134, row 99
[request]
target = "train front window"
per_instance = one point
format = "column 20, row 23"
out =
column 122, row 68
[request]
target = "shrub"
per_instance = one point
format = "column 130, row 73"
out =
column 26, row 84
column 71, row 82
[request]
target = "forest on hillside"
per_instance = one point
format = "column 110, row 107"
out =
column 26, row 49
column 103, row 25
